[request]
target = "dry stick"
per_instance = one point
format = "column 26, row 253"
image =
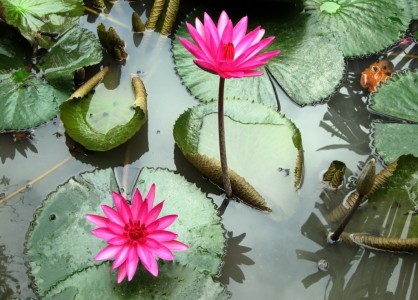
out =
column 103, row 16
column 32, row 182
column 221, row 130
column 172, row 10
column 155, row 13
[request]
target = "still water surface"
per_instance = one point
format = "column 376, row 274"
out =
column 265, row 258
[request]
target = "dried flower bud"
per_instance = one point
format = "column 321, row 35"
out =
column 366, row 179
column 137, row 24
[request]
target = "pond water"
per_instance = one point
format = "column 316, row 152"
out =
column 265, row 258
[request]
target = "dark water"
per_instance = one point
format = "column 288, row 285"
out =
column 265, row 258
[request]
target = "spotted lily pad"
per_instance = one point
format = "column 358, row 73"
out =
column 263, row 149
column 311, row 65
column 30, row 16
column 397, row 98
column 60, row 243
column 174, row 282
column 362, row 27
column 204, row 85
column 26, row 101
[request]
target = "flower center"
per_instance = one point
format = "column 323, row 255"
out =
column 229, row 52
column 135, row 231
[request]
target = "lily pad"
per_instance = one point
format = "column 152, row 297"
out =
column 103, row 120
column 204, row 85
column 26, row 101
column 311, row 65
column 390, row 211
column 14, row 49
column 362, row 27
column 30, row 16
column 398, row 99
column 174, row 282
column 59, row 239
column 77, row 48
column 263, row 149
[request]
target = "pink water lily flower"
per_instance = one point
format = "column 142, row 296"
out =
column 134, row 233
column 227, row 50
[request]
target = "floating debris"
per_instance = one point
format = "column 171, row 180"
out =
column 376, row 73
column 335, row 174
column 137, row 24
column 111, row 41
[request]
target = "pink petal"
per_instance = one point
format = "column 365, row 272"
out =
column 195, row 51
column 226, row 37
column 104, row 233
column 118, row 241
column 122, row 207
column 108, row 252
column 97, row 220
column 121, row 273
column 248, row 40
column 200, row 42
column 147, row 260
column 150, row 197
column 206, row 65
column 254, row 50
column 116, row 228
column 240, row 30
column 162, row 235
column 132, row 263
column 159, row 249
column 200, row 28
column 232, row 74
column 165, row 221
column 176, row 245
column 252, row 73
column 136, row 204
column 121, row 256
column 112, row 215
column 211, row 31
column 153, row 213
column 258, row 61
column 222, row 22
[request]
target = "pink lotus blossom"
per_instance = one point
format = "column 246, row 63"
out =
column 226, row 50
column 134, row 233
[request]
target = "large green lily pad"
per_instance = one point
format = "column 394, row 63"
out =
column 390, row 212
column 103, row 120
column 310, row 65
column 263, row 149
column 174, row 282
column 77, row 48
column 59, row 239
column 30, row 16
column 362, row 27
column 397, row 98
column 14, row 49
column 204, row 85
column 26, row 101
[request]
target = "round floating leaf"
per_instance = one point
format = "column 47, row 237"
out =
column 204, row 85
column 60, row 243
column 398, row 97
column 173, row 282
column 30, row 16
column 263, row 149
column 392, row 140
column 77, row 48
column 362, row 27
column 103, row 120
column 26, row 101
column 390, row 211
column 310, row 65
column 195, row 210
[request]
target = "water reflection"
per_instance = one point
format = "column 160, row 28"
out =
column 6, row 279
column 9, row 146
column 234, row 258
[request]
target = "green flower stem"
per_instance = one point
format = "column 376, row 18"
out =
column 222, row 148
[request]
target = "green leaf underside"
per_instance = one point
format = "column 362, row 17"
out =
column 204, row 85
column 103, row 120
column 173, row 282
column 262, row 146
column 13, row 48
column 398, row 97
column 26, row 102
column 29, row 16
column 310, row 65
column 363, row 27
column 387, row 211
column 77, row 48
column 198, row 224
column 392, row 140
column 59, row 239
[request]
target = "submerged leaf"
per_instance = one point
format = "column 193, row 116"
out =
column 174, row 282
column 60, row 243
column 362, row 27
column 262, row 148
